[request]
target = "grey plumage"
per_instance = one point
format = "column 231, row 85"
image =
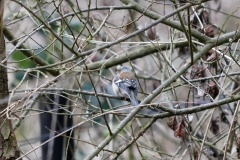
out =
column 127, row 87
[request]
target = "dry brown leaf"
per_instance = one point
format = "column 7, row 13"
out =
column 198, row 71
column 212, row 89
column 213, row 55
column 209, row 30
column 172, row 122
column 214, row 126
column 195, row 153
column 180, row 129
column 176, row 123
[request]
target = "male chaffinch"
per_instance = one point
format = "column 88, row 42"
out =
column 125, row 84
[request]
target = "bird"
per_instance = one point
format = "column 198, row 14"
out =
column 125, row 84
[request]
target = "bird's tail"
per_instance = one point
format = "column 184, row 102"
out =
column 133, row 99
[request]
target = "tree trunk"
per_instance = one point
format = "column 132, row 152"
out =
column 8, row 145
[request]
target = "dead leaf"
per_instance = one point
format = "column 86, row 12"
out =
column 214, row 126
column 198, row 71
column 172, row 122
column 213, row 56
column 195, row 153
column 180, row 129
column 212, row 89
column 211, row 30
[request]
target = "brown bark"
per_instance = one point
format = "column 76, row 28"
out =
column 8, row 145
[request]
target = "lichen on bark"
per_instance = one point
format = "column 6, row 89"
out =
column 8, row 145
